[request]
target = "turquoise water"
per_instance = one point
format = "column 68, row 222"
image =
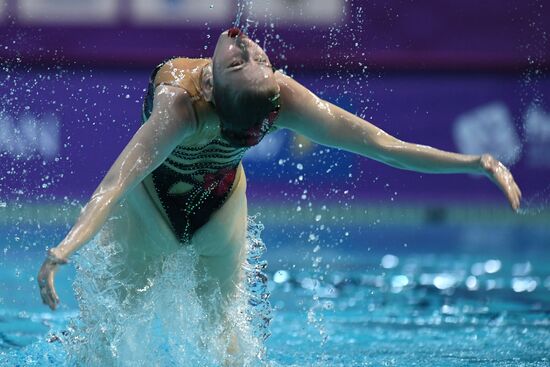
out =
column 386, row 295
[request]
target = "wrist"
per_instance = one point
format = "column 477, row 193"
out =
column 484, row 163
column 55, row 257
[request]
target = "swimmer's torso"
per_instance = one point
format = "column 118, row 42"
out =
column 197, row 177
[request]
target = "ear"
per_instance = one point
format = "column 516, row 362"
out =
column 207, row 83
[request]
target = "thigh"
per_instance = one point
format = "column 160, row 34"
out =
column 226, row 227
column 147, row 229
column 141, row 239
column 221, row 243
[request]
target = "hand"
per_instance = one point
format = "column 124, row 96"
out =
column 46, row 279
column 502, row 177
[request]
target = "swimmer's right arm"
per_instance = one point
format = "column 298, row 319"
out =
column 171, row 120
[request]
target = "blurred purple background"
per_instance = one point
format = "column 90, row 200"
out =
column 466, row 76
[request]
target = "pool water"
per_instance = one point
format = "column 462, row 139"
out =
column 439, row 294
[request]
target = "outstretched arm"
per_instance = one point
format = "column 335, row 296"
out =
column 330, row 125
column 171, row 120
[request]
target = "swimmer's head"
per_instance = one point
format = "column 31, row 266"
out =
column 245, row 91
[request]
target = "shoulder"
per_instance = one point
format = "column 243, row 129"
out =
column 290, row 88
column 294, row 98
column 179, row 70
column 173, row 105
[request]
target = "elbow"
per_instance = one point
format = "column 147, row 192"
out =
column 107, row 196
column 389, row 152
column 379, row 148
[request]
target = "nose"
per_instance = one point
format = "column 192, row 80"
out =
column 234, row 32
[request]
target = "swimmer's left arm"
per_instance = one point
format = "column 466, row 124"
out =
column 333, row 126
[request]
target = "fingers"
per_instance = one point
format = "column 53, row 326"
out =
column 47, row 297
column 515, row 202
column 515, row 192
column 518, row 194
column 53, row 293
column 518, row 191
column 47, row 289
column 512, row 195
column 510, row 188
column 500, row 175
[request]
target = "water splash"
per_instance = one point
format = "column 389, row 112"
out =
column 536, row 204
column 259, row 310
column 163, row 319
column 243, row 7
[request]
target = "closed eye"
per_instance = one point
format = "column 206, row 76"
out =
column 236, row 63
column 262, row 60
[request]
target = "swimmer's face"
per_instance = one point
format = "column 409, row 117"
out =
column 245, row 91
column 240, row 61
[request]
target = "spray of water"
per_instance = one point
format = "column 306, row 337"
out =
column 164, row 320
column 533, row 100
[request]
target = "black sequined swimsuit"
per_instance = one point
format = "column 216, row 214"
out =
column 205, row 173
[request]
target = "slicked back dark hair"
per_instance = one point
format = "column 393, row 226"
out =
column 244, row 105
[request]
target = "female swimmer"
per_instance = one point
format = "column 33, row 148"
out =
column 179, row 181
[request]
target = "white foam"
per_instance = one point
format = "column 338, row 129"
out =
column 163, row 322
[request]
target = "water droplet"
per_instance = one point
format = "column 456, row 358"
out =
column 281, row 276
column 399, row 281
column 444, row 281
column 492, row 266
column 389, row 261
column 472, row 283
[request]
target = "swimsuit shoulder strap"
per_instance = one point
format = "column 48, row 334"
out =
column 180, row 72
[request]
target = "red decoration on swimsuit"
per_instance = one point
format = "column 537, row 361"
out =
column 234, row 32
column 219, row 182
column 272, row 116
